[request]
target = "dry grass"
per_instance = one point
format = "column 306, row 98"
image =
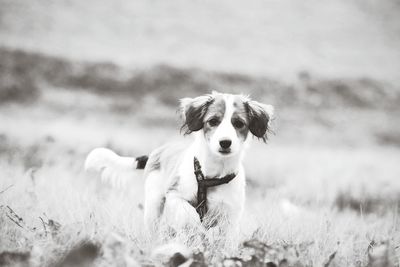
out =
column 292, row 203
column 323, row 189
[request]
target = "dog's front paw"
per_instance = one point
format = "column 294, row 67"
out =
column 179, row 214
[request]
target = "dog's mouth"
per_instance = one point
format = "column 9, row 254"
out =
column 224, row 151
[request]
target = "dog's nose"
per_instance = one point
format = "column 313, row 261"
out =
column 225, row 143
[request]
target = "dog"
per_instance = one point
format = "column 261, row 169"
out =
column 185, row 184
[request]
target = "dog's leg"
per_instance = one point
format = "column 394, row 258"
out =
column 179, row 214
column 152, row 211
column 154, row 202
column 234, row 214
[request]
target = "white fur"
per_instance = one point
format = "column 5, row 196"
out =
column 178, row 212
column 170, row 188
column 226, row 131
column 112, row 168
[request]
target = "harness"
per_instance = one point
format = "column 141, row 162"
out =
column 203, row 183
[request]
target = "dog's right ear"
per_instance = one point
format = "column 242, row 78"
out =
column 193, row 111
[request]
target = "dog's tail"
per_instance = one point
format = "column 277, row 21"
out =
column 113, row 168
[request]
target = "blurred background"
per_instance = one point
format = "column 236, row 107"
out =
column 75, row 75
column 331, row 67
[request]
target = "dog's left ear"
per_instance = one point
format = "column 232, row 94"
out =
column 260, row 116
column 193, row 111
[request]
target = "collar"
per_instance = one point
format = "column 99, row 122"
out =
column 203, row 183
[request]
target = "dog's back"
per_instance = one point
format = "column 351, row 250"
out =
column 166, row 158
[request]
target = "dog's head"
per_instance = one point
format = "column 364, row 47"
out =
column 226, row 120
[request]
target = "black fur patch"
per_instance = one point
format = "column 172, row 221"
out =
column 258, row 122
column 195, row 116
column 141, row 162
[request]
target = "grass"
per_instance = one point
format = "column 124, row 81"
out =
column 56, row 192
column 324, row 190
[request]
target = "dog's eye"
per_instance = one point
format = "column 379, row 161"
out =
column 213, row 122
column 238, row 124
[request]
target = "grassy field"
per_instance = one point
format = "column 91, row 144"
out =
column 324, row 190
column 74, row 75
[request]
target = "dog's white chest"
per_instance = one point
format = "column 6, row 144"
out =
column 229, row 196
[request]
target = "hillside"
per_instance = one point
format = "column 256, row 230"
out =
column 339, row 39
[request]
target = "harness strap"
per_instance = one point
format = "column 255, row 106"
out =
column 203, row 183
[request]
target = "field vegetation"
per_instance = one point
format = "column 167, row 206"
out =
column 323, row 191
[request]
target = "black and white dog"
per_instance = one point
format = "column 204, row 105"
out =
column 185, row 183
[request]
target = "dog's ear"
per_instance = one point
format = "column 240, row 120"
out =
column 193, row 111
column 260, row 116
